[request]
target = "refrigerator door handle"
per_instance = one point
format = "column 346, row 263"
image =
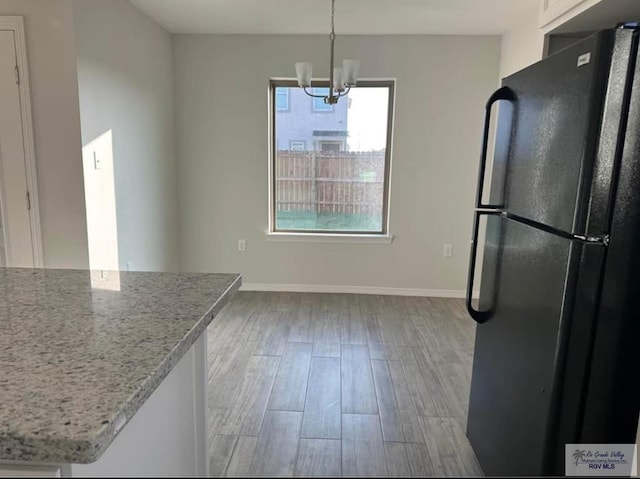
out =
column 504, row 93
column 478, row 316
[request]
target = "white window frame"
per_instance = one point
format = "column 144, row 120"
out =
column 300, row 142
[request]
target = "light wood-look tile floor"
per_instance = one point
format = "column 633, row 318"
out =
column 340, row 385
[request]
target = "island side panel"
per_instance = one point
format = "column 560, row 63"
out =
column 167, row 436
column 19, row 470
column 200, row 370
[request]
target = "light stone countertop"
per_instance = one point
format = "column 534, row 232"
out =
column 80, row 352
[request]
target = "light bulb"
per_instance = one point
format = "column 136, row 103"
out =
column 338, row 80
column 351, row 69
column 303, row 72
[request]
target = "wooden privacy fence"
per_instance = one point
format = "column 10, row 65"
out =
column 326, row 182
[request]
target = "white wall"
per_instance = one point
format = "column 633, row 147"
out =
column 56, row 122
column 125, row 75
column 521, row 46
column 221, row 97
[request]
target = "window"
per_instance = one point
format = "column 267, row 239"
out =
column 282, row 99
column 331, row 146
column 297, row 145
column 318, row 103
column 334, row 178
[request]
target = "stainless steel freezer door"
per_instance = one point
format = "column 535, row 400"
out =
column 515, row 351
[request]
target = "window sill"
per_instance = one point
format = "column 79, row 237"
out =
column 330, row 238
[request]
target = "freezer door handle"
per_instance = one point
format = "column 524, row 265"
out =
column 506, row 94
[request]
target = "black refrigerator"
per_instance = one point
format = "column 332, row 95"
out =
column 557, row 349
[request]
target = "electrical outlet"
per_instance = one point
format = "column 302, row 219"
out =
column 447, row 251
column 242, row 245
column 129, row 265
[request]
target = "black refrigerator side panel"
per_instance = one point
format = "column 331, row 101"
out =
column 612, row 401
column 573, row 358
column 515, row 351
column 610, row 137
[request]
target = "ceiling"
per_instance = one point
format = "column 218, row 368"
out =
column 454, row 17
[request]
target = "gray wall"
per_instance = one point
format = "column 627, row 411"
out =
column 51, row 52
column 521, row 46
column 125, row 75
column 221, row 98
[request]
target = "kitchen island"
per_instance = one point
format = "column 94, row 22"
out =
column 105, row 373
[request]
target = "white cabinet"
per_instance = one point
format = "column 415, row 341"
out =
column 580, row 16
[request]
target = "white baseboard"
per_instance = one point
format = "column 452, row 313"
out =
column 330, row 288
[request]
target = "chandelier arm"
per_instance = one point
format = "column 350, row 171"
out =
column 304, row 88
column 344, row 93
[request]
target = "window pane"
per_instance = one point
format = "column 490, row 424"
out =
column 330, row 165
column 318, row 103
column 282, row 99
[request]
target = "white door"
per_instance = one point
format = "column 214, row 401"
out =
column 17, row 248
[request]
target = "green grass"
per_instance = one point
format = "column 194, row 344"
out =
column 303, row 220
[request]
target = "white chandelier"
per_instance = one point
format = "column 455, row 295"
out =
column 341, row 78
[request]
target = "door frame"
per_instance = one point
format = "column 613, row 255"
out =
column 16, row 24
